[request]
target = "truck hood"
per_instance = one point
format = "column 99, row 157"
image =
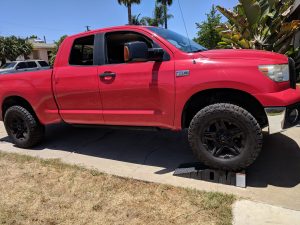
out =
column 244, row 54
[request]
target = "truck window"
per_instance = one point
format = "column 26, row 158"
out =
column 31, row 65
column 115, row 45
column 82, row 52
column 179, row 41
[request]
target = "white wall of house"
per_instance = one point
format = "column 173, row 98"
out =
column 40, row 54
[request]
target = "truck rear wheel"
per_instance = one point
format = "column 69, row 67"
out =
column 22, row 127
column 225, row 136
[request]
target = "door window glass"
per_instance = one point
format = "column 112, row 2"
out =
column 21, row 65
column 115, row 45
column 82, row 52
column 31, row 65
column 43, row 64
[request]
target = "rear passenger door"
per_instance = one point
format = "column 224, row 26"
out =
column 76, row 84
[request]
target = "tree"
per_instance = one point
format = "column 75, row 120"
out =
column 25, row 48
column 158, row 18
column 128, row 4
column 32, row 37
column 135, row 20
column 261, row 24
column 2, row 51
column 208, row 36
column 165, row 4
column 12, row 47
column 54, row 52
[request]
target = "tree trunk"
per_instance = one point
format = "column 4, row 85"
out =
column 165, row 15
column 129, row 14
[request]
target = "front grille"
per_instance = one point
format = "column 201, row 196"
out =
column 293, row 76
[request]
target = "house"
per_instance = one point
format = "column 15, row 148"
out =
column 41, row 49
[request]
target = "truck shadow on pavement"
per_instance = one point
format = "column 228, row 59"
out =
column 277, row 165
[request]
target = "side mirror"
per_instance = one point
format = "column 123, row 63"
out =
column 156, row 54
column 138, row 51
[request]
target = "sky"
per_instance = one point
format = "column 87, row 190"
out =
column 56, row 18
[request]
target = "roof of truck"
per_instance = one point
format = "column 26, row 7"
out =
column 124, row 27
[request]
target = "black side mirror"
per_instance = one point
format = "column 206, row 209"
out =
column 156, row 54
column 138, row 51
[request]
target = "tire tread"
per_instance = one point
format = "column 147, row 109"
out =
column 37, row 130
column 236, row 110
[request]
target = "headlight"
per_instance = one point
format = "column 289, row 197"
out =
column 278, row 73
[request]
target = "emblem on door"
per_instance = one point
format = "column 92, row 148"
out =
column 182, row 73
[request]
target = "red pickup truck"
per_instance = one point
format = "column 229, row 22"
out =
column 150, row 77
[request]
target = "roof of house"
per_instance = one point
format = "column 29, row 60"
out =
column 43, row 46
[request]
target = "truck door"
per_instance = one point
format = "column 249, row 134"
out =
column 137, row 93
column 76, row 83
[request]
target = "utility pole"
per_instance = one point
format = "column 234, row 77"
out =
column 87, row 28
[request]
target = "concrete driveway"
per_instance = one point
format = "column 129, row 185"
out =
column 153, row 156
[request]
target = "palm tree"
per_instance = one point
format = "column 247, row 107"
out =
column 158, row 17
column 128, row 4
column 135, row 20
column 165, row 4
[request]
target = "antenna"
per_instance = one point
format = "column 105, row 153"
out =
column 187, row 34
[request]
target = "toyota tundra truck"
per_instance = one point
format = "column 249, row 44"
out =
column 149, row 77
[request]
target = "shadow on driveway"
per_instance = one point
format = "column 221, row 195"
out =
column 277, row 165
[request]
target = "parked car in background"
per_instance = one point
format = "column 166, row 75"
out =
column 22, row 66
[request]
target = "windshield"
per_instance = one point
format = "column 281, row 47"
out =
column 8, row 65
column 179, row 41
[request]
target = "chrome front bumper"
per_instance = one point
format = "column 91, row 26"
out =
column 276, row 118
column 281, row 118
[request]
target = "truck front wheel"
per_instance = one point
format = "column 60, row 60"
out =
column 225, row 136
column 23, row 127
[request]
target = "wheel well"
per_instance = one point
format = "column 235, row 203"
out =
column 16, row 100
column 212, row 96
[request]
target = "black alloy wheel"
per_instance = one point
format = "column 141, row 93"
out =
column 18, row 128
column 225, row 136
column 23, row 127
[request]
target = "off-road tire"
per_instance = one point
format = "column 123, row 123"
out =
column 35, row 131
column 248, row 123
